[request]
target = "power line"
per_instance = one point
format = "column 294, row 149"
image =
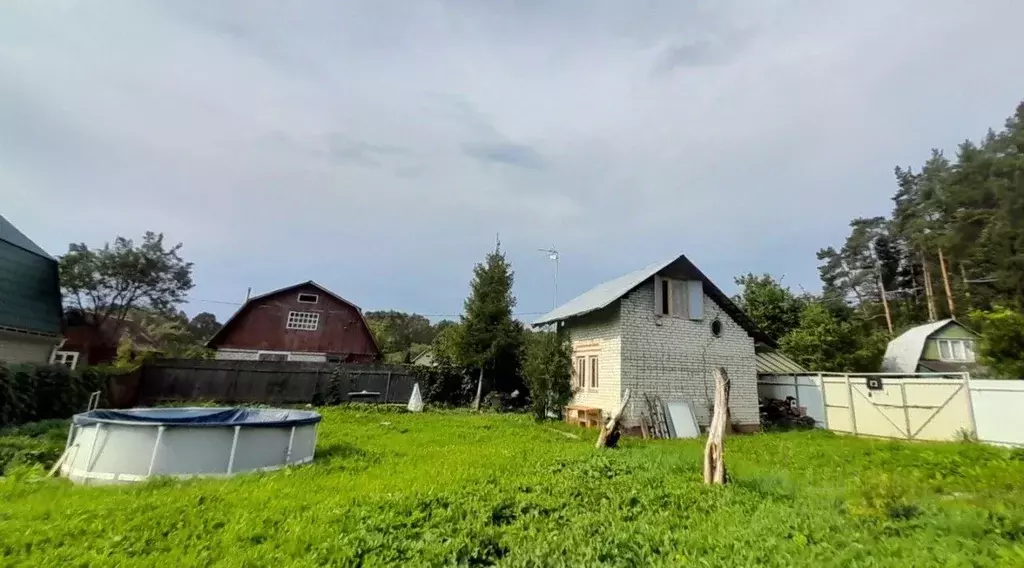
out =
column 228, row 303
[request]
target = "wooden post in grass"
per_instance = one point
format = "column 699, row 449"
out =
column 479, row 390
column 613, row 423
column 714, row 451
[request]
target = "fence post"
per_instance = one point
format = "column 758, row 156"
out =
column 796, row 390
column 853, row 413
column 387, row 390
column 824, row 400
column 970, row 405
column 906, row 411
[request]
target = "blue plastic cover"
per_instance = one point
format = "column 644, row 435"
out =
column 249, row 417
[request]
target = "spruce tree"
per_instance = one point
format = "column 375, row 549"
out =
column 491, row 339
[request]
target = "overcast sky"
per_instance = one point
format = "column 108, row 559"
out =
column 377, row 147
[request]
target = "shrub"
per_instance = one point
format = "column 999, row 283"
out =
column 30, row 393
column 444, row 385
column 548, row 373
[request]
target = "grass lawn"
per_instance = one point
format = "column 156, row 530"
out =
column 439, row 488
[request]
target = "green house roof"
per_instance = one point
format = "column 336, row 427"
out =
column 30, row 299
column 11, row 235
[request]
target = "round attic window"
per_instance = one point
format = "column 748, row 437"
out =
column 716, row 328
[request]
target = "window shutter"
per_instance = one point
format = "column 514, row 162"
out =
column 678, row 298
column 657, row 295
column 695, row 299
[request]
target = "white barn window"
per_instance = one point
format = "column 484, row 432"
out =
column 67, row 358
column 303, row 321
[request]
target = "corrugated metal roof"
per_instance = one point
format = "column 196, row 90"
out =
column 10, row 234
column 903, row 353
column 775, row 363
column 603, row 295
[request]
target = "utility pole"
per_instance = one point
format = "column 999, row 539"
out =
column 945, row 282
column 553, row 255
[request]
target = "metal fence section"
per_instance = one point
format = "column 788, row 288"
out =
column 923, row 406
column 270, row 382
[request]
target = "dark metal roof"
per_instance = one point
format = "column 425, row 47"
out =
column 10, row 234
column 602, row 295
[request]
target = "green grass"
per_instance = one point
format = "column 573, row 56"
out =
column 390, row 488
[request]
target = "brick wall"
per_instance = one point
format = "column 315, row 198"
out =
column 673, row 358
column 598, row 334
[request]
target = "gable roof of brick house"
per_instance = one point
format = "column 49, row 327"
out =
column 603, row 295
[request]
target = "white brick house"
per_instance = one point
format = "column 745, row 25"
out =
column 660, row 331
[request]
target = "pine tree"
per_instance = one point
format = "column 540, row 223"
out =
column 491, row 340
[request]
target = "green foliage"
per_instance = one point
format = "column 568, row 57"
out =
column 825, row 341
column 444, row 385
column 42, row 392
column 107, row 283
column 548, row 373
column 489, row 338
column 1002, row 341
column 457, row 489
column 36, row 444
column 203, row 327
column 773, row 307
column 402, row 336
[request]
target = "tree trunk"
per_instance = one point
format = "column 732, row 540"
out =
column 714, row 451
column 885, row 302
column 945, row 282
column 967, row 288
column 928, row 292
column 479, row 390
column 613, row 423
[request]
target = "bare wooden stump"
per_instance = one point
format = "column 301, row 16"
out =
column 714, row 451
column 613, row 423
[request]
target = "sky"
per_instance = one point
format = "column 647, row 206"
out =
column 380, row 147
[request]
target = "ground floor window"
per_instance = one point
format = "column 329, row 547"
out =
column 594, row 372
column 581, row 372
column 272, row 356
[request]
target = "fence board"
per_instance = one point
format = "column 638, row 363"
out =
column 269, row 382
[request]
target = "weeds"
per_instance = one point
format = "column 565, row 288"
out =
column 456, row 488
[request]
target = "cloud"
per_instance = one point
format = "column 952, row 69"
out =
column 379, row 146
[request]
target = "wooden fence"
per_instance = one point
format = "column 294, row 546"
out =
column 267, row 382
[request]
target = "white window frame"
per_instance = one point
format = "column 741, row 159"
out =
column 260, row 354
column 966, row 350
column 316, row 298
column 303, row 321
column 581, row 371
column 63, row 356
column 595, row 372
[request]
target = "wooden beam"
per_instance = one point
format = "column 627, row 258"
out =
column 714, row 450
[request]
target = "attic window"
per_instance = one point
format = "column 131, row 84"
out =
column 716, row 328
column 308, row 298
column 303, row 321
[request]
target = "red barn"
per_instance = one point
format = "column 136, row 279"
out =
column 304, row 322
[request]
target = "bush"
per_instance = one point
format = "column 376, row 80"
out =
column 548, row 372
column 29, row 393
column 444, row 385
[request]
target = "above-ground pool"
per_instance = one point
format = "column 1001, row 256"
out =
column 117, row 446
